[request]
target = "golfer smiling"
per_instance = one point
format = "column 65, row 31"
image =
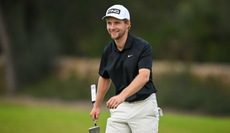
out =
column 127, row 62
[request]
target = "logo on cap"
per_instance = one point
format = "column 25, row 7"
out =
column 113, row 10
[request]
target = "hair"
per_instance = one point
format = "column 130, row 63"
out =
column 126, row 20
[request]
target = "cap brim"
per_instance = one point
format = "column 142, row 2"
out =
column 114, row 16
column 103, row 18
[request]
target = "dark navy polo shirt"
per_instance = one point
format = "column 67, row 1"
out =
column 123, row 66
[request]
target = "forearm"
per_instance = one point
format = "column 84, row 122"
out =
column 141, row 79
column 103, row 86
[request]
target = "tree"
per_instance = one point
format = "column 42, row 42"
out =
column 9, row 66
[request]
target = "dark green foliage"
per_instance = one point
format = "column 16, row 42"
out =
column 73, row 88
column 175, row 90
column 51, row 87
column 40, row 30
column 188, row 92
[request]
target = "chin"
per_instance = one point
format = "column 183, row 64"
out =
column 114, row 37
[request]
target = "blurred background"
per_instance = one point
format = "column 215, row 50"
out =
column 52, row 48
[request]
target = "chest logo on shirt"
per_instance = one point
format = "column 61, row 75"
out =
column 130, row 55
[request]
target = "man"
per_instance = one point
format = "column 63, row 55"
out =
column 127, row 62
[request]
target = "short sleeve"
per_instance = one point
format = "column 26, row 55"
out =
column 145, row 60
column 102, row 69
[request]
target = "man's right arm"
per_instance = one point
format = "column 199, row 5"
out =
column 102, row 88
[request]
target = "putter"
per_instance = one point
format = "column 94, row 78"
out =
column 95, row 129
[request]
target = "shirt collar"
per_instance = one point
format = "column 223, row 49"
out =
column 128, row 42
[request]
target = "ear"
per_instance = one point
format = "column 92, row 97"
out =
column 128, row 24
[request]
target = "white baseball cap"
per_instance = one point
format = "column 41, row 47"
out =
column 117, row 11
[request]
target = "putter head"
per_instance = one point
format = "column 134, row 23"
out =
column 95, row 129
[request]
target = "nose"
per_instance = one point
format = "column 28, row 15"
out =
column 112, row 26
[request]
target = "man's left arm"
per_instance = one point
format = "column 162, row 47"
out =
column 139, row 81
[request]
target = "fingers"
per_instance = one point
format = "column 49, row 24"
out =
column 112, row 103
column 112, row 106
column 95, row 114
column 109, row 104
column 94, row 117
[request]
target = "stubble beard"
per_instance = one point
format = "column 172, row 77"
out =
column 120, row 35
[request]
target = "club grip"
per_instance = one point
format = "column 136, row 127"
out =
column 93, row 93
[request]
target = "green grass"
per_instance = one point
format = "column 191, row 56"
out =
column 25, row 119
column 174, row 123
column 16, row 118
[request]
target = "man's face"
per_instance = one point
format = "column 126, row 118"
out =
column 116, row 27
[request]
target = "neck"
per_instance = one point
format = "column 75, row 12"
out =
column 121, row 41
